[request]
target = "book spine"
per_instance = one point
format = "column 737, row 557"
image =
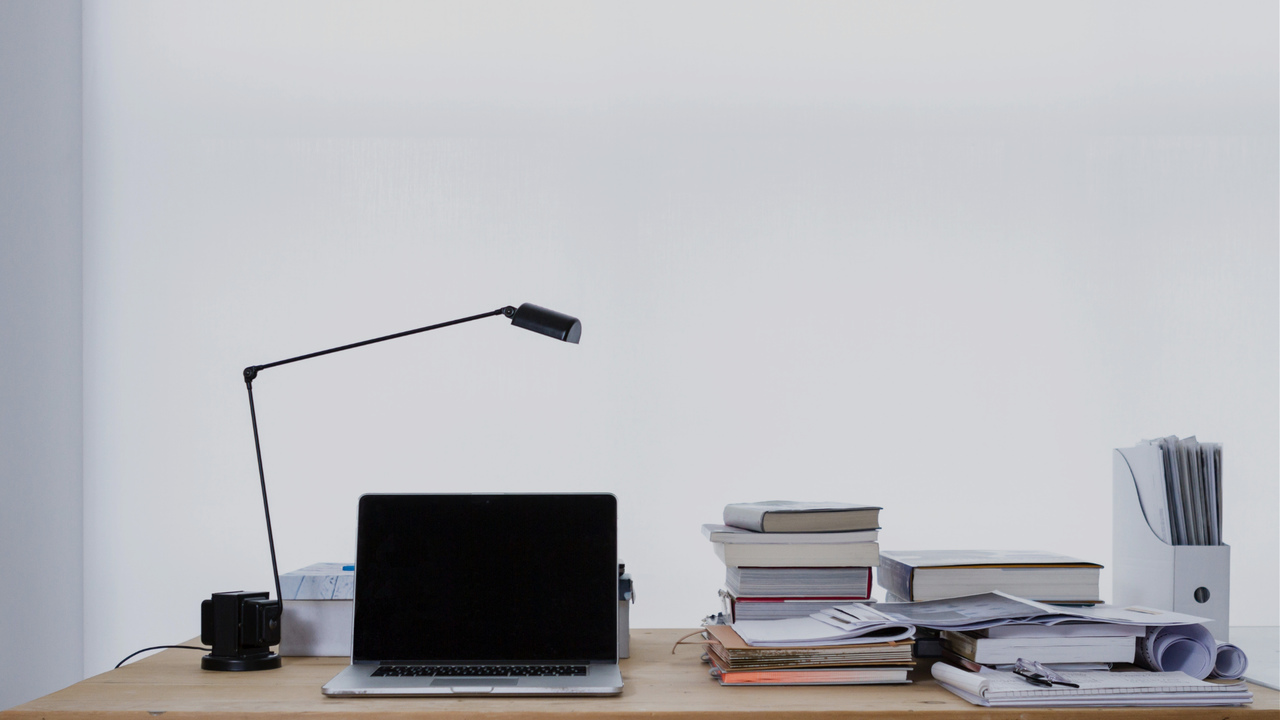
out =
column 960, row 644
column 744, row 517
column 895, row 577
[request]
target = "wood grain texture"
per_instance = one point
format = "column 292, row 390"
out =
column 659, row 684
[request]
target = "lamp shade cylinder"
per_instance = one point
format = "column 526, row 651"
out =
column 547, row 322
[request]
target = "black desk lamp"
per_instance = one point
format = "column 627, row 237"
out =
column 242, row 626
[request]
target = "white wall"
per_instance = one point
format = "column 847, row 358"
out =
column 940, row 257
column 41, row 555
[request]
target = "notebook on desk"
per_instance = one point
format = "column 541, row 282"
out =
column 484, row 595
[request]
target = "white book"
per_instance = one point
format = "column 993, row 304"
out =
column 995, row 651
column 864, row 554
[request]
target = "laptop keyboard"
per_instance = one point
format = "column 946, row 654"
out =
column 478, row 670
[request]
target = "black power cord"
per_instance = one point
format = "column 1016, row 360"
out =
column 163, row 647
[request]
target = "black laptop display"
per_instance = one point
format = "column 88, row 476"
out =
column 485, row 579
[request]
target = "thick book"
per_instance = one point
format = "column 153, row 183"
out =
column 864, row 554
column 998, row 651
column 798, row 581
column 925, row 575
column 733, row 535
column 798, row 517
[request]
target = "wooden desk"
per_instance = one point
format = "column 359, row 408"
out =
column 658, row 685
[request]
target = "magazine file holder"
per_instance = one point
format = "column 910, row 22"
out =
column 1146, row 570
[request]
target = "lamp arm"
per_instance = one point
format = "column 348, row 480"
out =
column 251, row 373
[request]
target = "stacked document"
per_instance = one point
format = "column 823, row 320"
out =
column 998, row 628
column 1183, row 504
column 735, row 662
column 994, row 688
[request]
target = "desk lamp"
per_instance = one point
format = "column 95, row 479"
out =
column 241, row 627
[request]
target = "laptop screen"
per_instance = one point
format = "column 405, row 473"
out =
column 486, row 578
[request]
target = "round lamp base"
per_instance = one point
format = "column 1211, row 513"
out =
column 269, row 661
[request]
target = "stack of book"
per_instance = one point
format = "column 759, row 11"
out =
column 788, row 559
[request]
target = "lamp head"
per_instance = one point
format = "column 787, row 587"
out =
column 544, row 321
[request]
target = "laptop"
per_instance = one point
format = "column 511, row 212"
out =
column 484, row 595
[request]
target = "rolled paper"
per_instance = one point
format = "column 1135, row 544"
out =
column 1230, row 664
column 1187, row 648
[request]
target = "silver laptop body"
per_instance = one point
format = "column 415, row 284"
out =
column 484, row 595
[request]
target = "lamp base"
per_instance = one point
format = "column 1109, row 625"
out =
column 269, row 661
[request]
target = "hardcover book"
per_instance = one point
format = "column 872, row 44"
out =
column 936, row 574
column 787, row 516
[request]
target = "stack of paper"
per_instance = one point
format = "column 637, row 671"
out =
column 734, row 662
column 862, row 647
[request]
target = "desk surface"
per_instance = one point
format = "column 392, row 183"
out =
column 658, row 684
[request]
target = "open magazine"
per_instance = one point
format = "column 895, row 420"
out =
column 890, row 622
column 975, row 612
column 855, row 625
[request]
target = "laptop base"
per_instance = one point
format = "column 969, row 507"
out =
column 357, row 681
